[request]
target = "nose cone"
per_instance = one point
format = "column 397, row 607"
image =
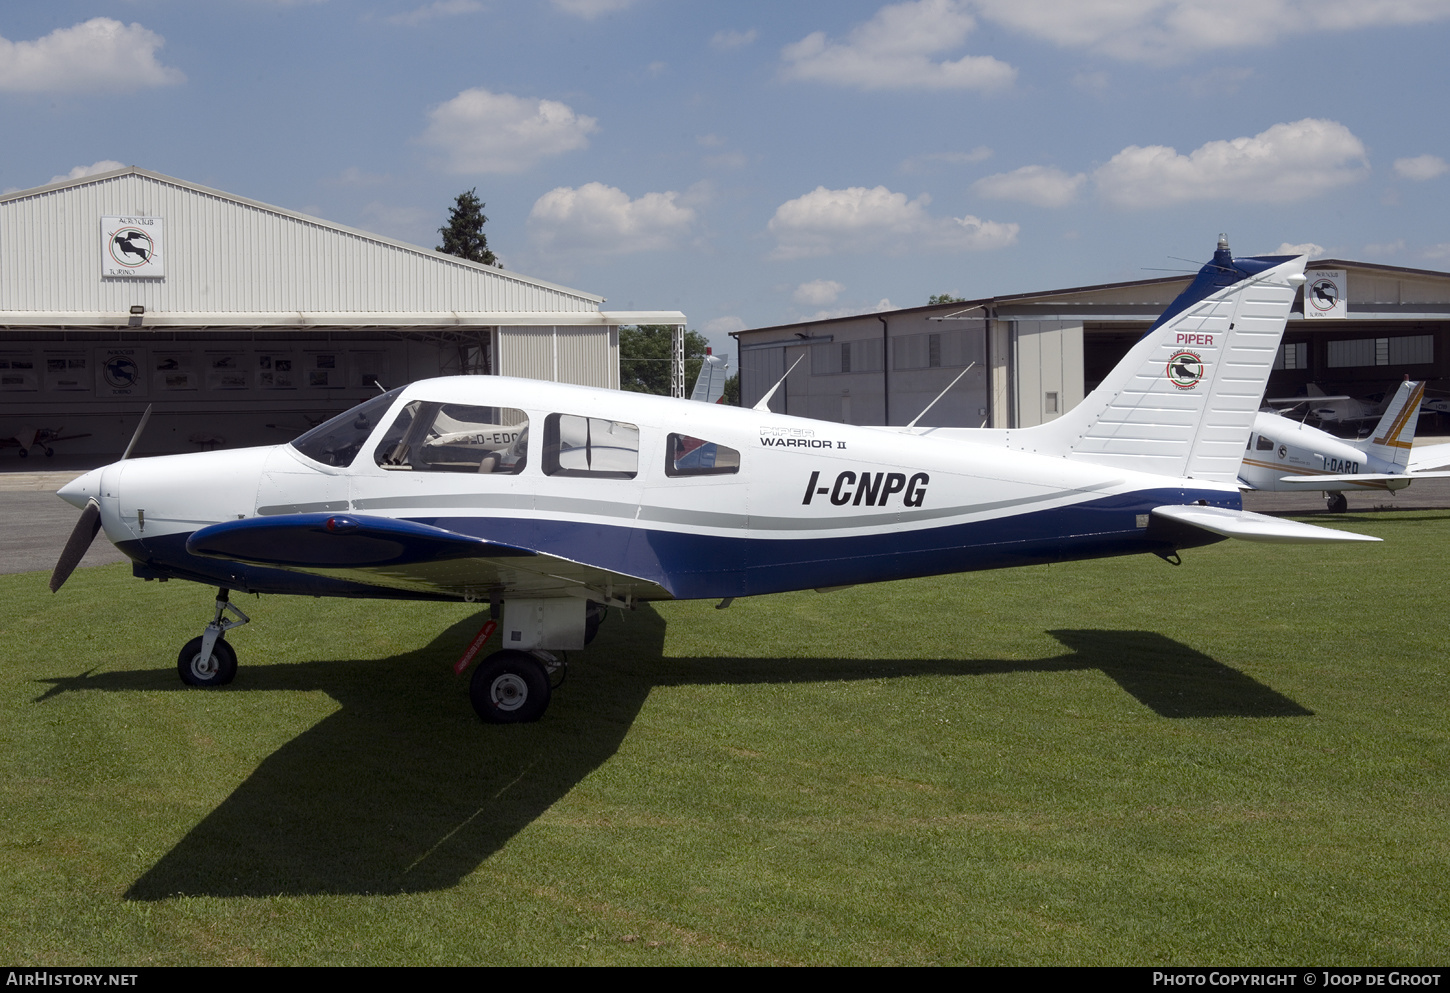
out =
column 79, row 491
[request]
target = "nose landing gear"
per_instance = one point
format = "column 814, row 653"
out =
column 208, row 660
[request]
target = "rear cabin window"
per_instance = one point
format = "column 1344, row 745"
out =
column 456, row 437
column 336, row 442
column 1265, row 444
column 593, row 447
column 687, row 456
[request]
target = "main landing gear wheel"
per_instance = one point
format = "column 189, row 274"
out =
column 510, row 687
column 218, row 670
column 1337, row 503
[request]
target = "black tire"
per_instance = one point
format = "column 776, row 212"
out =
column 1338, row 503
column 222, row 670
column 594, row 615
column 510, row 687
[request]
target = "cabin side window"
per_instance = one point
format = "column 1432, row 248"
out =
column 593, row 447
column 687, row 456
column 456, row 437
column 1265, row 444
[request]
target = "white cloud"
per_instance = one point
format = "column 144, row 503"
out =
column 1386, row 248
column 1164, row 31
column 1304, row 248
column 353, row 176
column 411, row 224
column 919, row 163
column 431, row 11
column 725, row 40
column 1438, row 253
column 1041, row 186
column 879, row 307
column 857, row 219
column 722, row 325
column 1421, row 167
column 94, row 169
column 98, row 55
column 602, row 219
column 893, row 51
column 591, row 9
column 818, row 292
column 1284, row 163
column 479, row 131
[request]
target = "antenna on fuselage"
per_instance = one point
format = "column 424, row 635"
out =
column 940, row 395
column 764, row 402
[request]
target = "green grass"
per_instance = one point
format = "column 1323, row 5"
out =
column 1241, row 760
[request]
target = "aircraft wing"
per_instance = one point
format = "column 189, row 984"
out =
column 406, row 555
column 1317, row 482
column 1429, row 456
column 1253, row 527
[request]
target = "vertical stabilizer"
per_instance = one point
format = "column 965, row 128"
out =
column 1182, row 401
column 1395, row 432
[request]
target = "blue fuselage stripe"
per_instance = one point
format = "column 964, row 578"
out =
column 693, row 565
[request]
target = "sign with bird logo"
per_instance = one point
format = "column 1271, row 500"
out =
column 132, row 247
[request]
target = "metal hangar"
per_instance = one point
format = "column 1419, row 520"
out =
column 1025, row 358
column 244, row 323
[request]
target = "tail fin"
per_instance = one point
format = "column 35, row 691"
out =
column 1395, row 432
column 1182, row 401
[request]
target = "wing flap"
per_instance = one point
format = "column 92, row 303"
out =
column 1249, row 526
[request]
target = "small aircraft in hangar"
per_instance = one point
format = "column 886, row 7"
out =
column 1285, row 454
column 552, row 502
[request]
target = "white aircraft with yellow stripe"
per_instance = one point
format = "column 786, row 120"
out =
column 552, row 502
column 1285, row 454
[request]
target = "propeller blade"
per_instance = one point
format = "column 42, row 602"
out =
column 137, row 436
column 75, row 546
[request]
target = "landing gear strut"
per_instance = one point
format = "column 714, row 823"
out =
column 208, row 660
column 1337, row 503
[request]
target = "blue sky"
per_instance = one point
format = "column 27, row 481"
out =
column 758, row 163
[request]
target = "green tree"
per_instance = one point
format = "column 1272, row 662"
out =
column 944, row 298
column 463, row 234
column 644, row 358
column 732, row 390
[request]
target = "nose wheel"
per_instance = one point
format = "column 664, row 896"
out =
column 208, row 660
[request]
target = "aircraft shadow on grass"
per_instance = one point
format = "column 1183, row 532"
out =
column 394, row 793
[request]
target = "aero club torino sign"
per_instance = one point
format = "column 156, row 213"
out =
column 132, row 247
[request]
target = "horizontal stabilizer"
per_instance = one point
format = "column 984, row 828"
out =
column 1318, row 482
column 1253, row 527
column 1429, row 456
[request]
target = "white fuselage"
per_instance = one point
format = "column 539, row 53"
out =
column 811, row 503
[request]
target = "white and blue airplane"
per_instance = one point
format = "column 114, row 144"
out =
column 553, row 502
column 1285, row 454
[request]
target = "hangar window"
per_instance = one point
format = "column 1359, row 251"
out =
column 1417, row 349
column 456, row 437
column 1292, row 355
column 686, row 456
column 336, row 442
column 593, row 447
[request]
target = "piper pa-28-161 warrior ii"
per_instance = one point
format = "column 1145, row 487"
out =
column 1285, row 454
column 552, row 502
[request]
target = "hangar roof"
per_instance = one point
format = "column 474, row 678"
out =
column 225, row 260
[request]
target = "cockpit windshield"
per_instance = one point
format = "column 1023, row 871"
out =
column 336, row 442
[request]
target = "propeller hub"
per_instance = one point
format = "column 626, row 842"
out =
column 82, row 489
